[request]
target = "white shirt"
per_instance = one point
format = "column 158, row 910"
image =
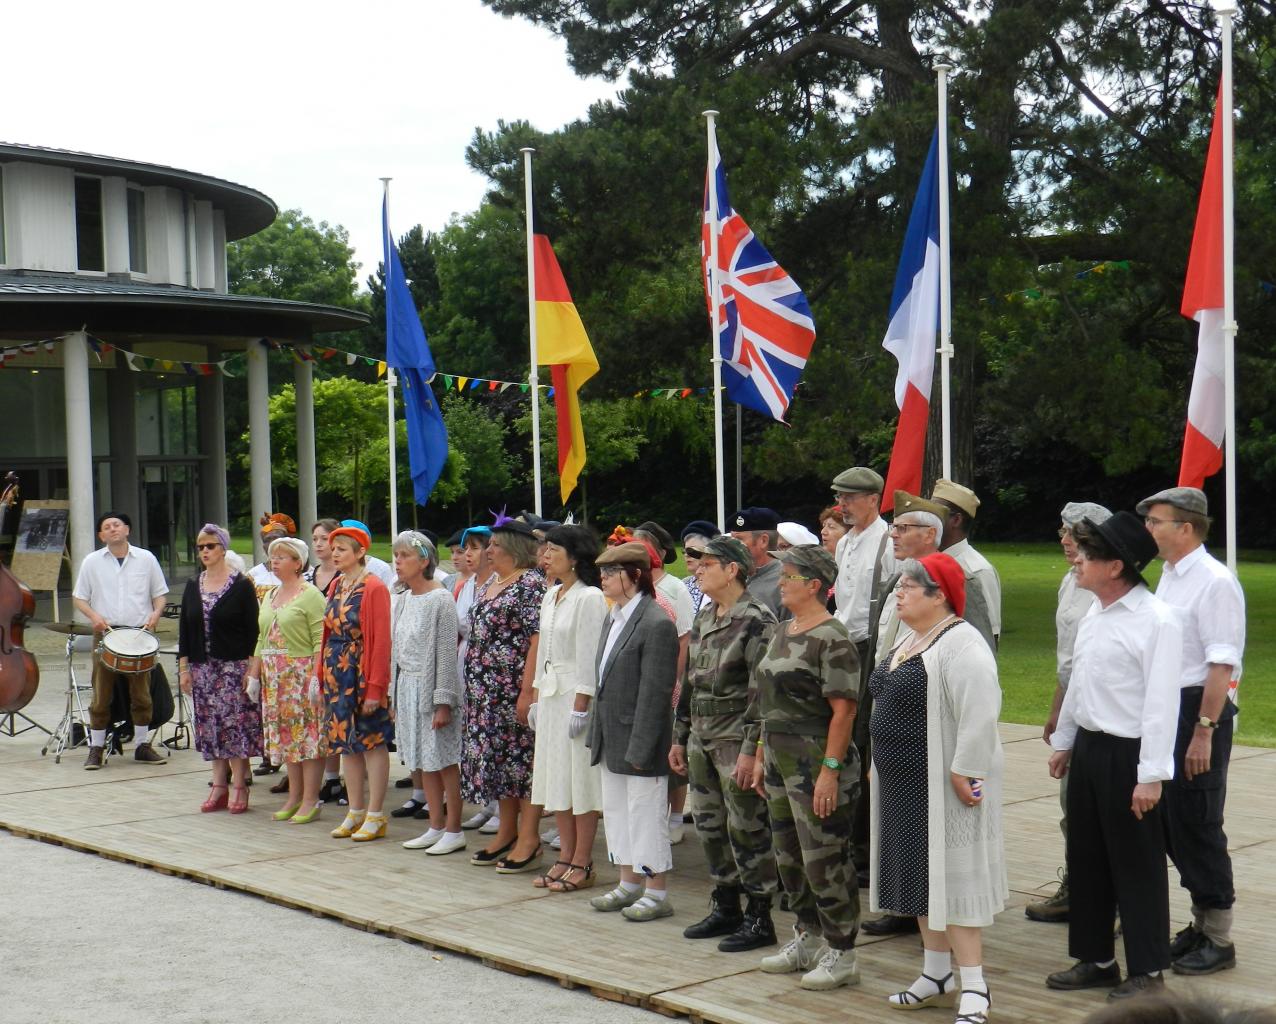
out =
column 123, row 594
column 1212, row 606
column 853, row 589
column 263, row 577
column 381, row 569
column 1125, row 679
column 1073, row 604
column 620, row 614
column 684, row 609
column 978, row 568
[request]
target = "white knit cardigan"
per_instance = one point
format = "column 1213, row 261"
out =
column 966, row 857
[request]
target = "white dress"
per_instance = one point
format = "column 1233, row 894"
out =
column 423, row 676
column 562, row 777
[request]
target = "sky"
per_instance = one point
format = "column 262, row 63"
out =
column 311, row 103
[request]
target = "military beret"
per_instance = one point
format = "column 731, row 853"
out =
column 1189, row 499
column 667, row 549
column 754, row 518
column 857, row 480
column 699, row 528
column 811, row 560
column 905, row 502
column 727, row 549
column 961, row 498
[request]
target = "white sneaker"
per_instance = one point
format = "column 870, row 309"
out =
column 800, row 953
column 476, row 820
column 837, row 967
column 491, row 826
column 677, row 833
column 550, row 838
column 425, row 840
column 449, row 842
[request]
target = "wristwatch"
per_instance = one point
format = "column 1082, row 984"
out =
column 832, row 763
column 1206, row 723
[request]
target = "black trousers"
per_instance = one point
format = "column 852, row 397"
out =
column 861, row 740
column 1115, row 861
column 1193, row 815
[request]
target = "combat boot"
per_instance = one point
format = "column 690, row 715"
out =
column 756, row 929
column 800, row 953
column 1054, row 909
column 724, row 915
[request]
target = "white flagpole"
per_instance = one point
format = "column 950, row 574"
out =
column 945, row 280
column 1225, row 12
column 533, row 376
column 389, row 385
column 715, row 289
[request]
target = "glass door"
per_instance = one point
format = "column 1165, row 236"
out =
column 170, row 514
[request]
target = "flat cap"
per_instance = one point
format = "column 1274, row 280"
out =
column 905, row 502
column 1074, row 511
column 857, row 480
column 630, row 553
column 727, row 549
column 811, row 560
column 754, row 518
column 1189, row 499
column 962, row 498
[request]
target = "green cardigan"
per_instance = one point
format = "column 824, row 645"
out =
column 300, row 621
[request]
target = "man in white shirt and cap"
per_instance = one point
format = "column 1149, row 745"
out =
column 1073, row 604
column 962, row 504
column 1209, row 598
column 1116, row 739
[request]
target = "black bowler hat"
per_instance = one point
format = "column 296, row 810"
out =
column 1129, row 538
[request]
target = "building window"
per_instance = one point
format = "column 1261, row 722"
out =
column 137, row 231
column 89, row 251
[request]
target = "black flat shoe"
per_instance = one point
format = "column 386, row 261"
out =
column 266, row 768
column 1208, row 957
column 891, row 924
column 403, row 783
column 1137, row 985
column 1082, row 975
column 408, row 810
column 281, row 786
column 483, row 859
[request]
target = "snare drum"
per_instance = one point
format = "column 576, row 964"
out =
column 131, row 652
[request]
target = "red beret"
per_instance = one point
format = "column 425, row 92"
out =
column 950, row 576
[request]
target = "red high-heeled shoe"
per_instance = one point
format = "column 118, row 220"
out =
column 238, row 805
column 215, row 802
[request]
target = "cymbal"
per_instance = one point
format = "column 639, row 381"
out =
column 70, row 628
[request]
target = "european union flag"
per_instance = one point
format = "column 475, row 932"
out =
column 409, row 353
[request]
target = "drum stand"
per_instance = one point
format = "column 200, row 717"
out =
column 63, row 737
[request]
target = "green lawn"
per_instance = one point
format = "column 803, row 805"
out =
column 1030, row 575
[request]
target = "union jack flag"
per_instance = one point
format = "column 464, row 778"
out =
column 764, row 326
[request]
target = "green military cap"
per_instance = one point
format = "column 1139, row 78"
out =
column 905, row 502
column 811, row 560
column 857, row 480
column 727, row 549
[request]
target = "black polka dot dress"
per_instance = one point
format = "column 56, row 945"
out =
column 898, row 729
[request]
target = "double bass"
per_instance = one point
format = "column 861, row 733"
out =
column 19, row 673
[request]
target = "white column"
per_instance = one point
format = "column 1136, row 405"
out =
column 258, row 440
column 210, row 405
column 79, row 446
column 307, row 478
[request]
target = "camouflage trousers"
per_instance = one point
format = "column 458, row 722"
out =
column 731, row 822
column 813, row 854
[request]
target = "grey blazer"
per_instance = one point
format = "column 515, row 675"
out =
column 631, row 728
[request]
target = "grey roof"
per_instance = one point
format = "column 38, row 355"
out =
column 46, row 301
column 247, row 210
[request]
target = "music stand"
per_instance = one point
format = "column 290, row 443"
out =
column 182, row 735
column 64, row 737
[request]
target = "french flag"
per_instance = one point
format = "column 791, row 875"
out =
column 912, row 334
column 1203, row 302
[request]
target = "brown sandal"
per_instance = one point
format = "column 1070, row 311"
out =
column 546, row 880
column 564, row 884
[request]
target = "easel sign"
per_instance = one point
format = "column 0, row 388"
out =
column 41, row 546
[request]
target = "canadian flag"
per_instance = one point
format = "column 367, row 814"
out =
column 1203, row 302
column 912, row 332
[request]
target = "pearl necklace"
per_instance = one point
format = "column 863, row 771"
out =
column 916, row 645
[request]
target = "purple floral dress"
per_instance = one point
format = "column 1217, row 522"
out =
column 496, row 760
column 227, row 722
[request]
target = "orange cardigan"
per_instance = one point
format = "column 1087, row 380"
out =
column 374, row 621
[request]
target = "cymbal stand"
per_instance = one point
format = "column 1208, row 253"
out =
column 181, row 738
column 63, row 737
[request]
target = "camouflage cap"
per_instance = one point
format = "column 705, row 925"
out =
column 727, row 549
column 811, row 560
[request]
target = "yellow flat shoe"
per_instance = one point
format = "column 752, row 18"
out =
column 346, row 829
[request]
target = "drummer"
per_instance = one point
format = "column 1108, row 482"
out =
column 119, row 585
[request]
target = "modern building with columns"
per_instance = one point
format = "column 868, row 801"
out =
column 100, row 257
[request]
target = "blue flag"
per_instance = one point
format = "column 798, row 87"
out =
column 409, row 353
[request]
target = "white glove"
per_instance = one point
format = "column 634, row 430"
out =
column 315, row 691
column 254, row 689
column 577, row 724
column 531, row 716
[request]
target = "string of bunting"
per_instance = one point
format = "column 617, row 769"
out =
column 27, row 348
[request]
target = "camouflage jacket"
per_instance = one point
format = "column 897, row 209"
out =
column 798, row 674
column 716, row 693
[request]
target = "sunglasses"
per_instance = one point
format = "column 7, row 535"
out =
column 207, row 547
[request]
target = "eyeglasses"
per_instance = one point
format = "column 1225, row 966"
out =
column 792, row 576
column 610, row 570
column 1153, row 521
column 903, row 587
column 207, row 547
column 901, row 527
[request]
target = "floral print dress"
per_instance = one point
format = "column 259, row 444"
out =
column 227, row 721
column 350, row 731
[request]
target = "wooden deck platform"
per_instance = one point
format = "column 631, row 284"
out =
column 149, row 816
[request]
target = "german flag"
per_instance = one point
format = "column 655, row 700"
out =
column 563, row 346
